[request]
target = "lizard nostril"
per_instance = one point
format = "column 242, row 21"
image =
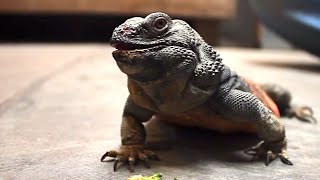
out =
column 126, row 28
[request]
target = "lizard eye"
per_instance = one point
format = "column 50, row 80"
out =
column 157, row 24
column 160, row 23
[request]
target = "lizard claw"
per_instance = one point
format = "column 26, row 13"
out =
column 285, row 160
column 270, row 157
column 115, row 164
column 303, row 113
column 131, row 162
column 253, row 150
column 270, row 152
column 130, row 154
column 110, row 154
column 145, row 159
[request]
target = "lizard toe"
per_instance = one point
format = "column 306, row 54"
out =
column 303, row 113
column 130, row 154
column 270, row 151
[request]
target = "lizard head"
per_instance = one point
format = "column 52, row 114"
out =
column 148, row 47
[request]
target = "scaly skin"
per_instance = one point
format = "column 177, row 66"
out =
column 174, row 75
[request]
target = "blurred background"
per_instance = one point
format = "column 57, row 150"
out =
column 220, row 22
column 62, row 95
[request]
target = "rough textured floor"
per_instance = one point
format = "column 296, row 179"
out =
column 61, row 105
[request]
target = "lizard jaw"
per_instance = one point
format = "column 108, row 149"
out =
column 125, row 52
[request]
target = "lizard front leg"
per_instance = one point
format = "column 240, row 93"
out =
column 133, row 137
column 239, row 105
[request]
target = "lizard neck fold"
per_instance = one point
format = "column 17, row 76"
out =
column 207, row 74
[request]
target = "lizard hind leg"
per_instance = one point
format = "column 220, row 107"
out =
column 282, row 97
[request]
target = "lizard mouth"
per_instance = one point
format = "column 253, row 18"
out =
column 129, row 47
column 131, row 54
column 132, row 48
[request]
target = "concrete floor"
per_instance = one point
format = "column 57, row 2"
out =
column 61, row 105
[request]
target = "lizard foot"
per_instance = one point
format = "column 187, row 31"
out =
column 131, row 154
column 303, row 113
column 270, row 152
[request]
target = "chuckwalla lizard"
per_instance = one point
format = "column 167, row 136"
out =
column 174, row 75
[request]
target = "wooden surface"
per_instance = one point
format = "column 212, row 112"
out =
column 63, row 107
column 200, row 8
column 205, row 13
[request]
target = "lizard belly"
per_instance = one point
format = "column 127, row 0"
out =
column 169, row 99
column 205, row 118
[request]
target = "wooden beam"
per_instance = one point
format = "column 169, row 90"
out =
column 190, row 8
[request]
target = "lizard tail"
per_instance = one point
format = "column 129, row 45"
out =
column 282, row 98
column 279, row 95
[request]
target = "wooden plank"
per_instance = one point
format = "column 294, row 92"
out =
column 191, row 8
column 201, row 8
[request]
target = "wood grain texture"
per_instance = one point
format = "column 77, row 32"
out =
column 191, row 8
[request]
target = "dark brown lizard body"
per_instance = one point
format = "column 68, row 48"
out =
column 177, row 77
column 202, row 116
